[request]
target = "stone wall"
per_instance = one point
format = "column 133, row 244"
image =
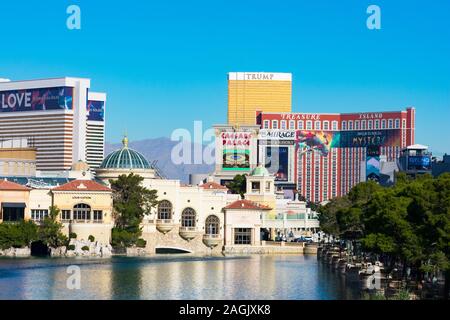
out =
column 172, row 239
column 16, row 252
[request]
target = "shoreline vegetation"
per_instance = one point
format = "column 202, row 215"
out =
column 404, row 230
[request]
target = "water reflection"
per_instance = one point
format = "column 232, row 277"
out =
column 174, row 277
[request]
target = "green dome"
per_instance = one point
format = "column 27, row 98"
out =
column 260, row 171
column 125, row 158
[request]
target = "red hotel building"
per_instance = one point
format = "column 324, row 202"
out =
column 320, row 176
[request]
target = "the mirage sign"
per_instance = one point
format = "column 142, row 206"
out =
column 36, row 99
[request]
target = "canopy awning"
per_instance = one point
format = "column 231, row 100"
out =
column 13, row 205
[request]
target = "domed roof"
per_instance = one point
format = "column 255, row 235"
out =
column 125, row 158
column 260, row 171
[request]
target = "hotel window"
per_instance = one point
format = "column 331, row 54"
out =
column 98, row 216
column 309, row 125
column 300, row 125
column 350, row 125
column 291, row 125
column 377, row 124
column 39, row 215
column 165, row 210
column 274, row 124
column 256, row 187
column 335, row 125
column 326, row 125
column 344, row 125
column 397, row 123
column 363, row 125
column 317, row 125
column 283, row 124
column 356, row 124
column 65, row 215
column 267, row 186
column 390, row 123
column 242, row 236
column 82, row 212
column 370, row 124
column 266, row 124
column 383, row 124
column 212, row 225
column 404, row 123
column 188, row 218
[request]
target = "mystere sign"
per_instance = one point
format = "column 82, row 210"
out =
column 36, row 99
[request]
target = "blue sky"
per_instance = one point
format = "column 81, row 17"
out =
column 164, row 63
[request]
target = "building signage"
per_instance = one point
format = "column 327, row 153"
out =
column 300, row 116
column 355, row 139
column 419, row 162
column 277, row 162
column 373, row 163
column 36, row 99
column 236, row 139
column 95, row 110
column 236, row 151
column 266, row 134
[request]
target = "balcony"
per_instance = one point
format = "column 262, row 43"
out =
column 212, row 240
column 188, row 233
column 164, row 225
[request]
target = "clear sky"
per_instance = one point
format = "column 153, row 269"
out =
column 163, row 64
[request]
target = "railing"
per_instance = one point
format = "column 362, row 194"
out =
column 214, row 236
column 188, row 228
column 164, row 221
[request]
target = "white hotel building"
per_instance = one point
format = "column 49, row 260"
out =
column 59, row 117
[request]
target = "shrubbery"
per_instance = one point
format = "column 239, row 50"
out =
column 71, row 247
column 72, row 235
column 91, row 238
column 18, row 235
column 85, row 248
column 141, row 243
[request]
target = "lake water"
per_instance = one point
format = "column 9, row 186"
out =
column 174, row 277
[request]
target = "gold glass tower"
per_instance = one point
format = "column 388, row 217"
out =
column 249, row 92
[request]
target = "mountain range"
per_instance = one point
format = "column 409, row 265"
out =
column 160, row 149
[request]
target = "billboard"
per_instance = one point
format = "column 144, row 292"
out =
column 419, row 163
column 95, row 110
column 321, row 141
column 236, row 151
column 56, row 98
column 268, row 134
column 355, row 139
column 373, row 163
column 277, row 162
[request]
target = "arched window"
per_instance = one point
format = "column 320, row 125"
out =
column 212, row 225
column 82, row 212
column 188, row 217
column 165, row 210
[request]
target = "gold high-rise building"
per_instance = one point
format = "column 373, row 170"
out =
column 249, row 92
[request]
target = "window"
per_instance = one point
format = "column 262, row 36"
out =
column 383, row 124
column 165, row 210
column 370, row 124
column 390, row 123
column 291, row 124
column 98, row 216
column 242, row 236
column 267, row 186
column 212, row 224
column 309, row 125
column 81, row 212
column 377, row 124
column 335, row 125
column 38, row 215
column 266, row 124
column 283, row 124
column 317, row 125
column 300, row 125
column 397, row 123
column 404, row 123
column 274, row 124
column 188, row 218
column 65, row 215
column 344, row 125
column 363, row 124
column 350, row 125
column 356, row 124
column 255, row 186
column 326, row 125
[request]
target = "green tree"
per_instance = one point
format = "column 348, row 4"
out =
column 17, row 235
column 238, row 185
column 50, row 230
column 132, row 202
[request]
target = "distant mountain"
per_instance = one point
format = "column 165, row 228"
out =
column 160, row 149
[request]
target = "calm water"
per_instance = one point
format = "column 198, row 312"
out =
column 174, row 277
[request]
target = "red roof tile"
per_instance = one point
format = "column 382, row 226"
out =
column 82, row 185
column 213, row 186
column 247, row 205
column 12, row 186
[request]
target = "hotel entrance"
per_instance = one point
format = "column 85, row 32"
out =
column 12, row 212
